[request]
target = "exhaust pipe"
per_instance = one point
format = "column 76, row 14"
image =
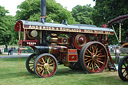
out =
column 43, row 20
column 43, row 11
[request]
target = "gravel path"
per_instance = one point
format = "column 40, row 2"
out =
column 15, row 55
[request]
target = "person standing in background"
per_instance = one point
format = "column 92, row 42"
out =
column 117, row 55
column 9, row 51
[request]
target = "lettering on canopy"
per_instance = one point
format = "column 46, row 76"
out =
column 48, row 28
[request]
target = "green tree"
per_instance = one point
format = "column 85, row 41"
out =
column 83, row 14
column 30, row 10
column 105, row 10
column 14, row 35
column 6, row 27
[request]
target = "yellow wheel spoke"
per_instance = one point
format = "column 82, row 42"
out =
column 88, row 60
column 48, row 71
column 43, row 60
column 32, row 67
column 97, row 66
column 92, row 66
column 32, row 60
column 96, row 51
column 90, row 47
column 40, row 65
column 93, row 49
column 91, row 63
column 43, row 72
column 52, row 64
column 99, row 58
column 100, row 50
column 87, row 56
column 31, row 63
column 39, row 68
column 88, row 64
column 40, row 61
column 100, row 62
column 89, row 51
column 98, row 54
column 48, row 60
column 102, row 56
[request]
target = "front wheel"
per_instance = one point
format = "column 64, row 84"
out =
column 45, row 65
column 93, row 57
column 123, row 68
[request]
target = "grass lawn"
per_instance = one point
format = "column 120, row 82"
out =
column 2, row 54
column 112, row 54
column 9, row 76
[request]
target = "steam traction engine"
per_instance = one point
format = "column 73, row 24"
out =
column 76, row 46
column 123, row 65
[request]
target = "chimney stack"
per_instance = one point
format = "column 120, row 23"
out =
column 43, row 11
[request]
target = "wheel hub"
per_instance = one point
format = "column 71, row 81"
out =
column 94, row 57
column 46, row 65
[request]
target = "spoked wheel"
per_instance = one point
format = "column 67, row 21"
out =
column 123, row 69
column 45, row 65
column 30, row 63
column 93, row 57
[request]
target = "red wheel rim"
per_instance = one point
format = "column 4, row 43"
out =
column 95, row 58
column 46, row 66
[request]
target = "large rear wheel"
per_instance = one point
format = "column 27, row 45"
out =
column 45, row 65
column 123, row 68
column 93, row 57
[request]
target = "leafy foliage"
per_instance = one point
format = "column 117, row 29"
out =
column 83, row 14
column 106, row 10
column 6, row 27
column 30, row 10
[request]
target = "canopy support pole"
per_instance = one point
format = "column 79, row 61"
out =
column 115, row 33
column 119, row 32
column 19, row 32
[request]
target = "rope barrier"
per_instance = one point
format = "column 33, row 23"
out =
column 19, row 64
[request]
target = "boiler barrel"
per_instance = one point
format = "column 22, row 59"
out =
column 51, row 49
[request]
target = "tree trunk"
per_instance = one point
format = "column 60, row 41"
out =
column 6, row 46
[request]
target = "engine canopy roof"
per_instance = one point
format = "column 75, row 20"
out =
column 77, row 28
